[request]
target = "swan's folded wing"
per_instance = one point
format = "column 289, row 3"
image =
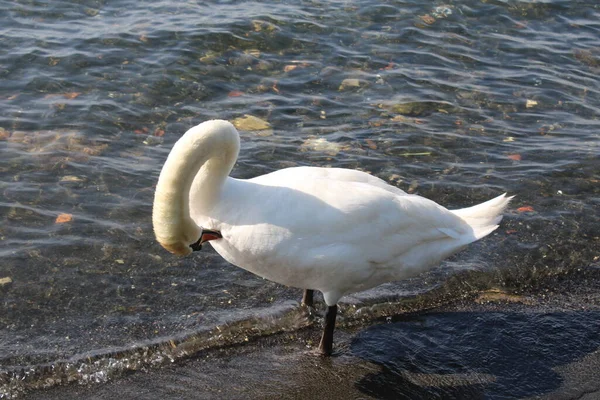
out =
column 333, row 174
column 321, row 229
column 354, row 208
column 369, row 230
column 361, row 213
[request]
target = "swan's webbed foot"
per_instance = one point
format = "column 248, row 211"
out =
column 326, row 344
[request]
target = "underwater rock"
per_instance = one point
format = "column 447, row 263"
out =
column 417, row 108
column 209, row 56
column 591, row 58
column 260, row 26
column 296, row 65
column 151, row 140
column 428, row 19
column 352, row 83
column 442, row 11
column 321, row 145
column 251, row 123
column 71, row 178
column 531, row 103
column 63, row 218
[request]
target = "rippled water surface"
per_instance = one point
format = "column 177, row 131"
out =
column 456, row 101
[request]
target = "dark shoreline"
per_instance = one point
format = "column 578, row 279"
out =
column 284, row 365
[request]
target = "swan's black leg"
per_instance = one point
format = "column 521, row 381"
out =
column 326, row 345
column 307, row 298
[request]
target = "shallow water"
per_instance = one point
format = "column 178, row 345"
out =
column 539, row 347
column 458, row 102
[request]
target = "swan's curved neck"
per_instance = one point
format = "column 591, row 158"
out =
column 196, row 169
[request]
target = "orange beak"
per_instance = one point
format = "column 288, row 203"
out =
column 205, row 236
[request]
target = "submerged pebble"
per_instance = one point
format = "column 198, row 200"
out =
column 321, row 145
column 442, row 11
column 531, row 103
column 251, row 123
column 417, row 108
column 5, row 282
column 152, row 140
column 352, row 83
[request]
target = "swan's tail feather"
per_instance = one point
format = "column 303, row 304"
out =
column 485, row 217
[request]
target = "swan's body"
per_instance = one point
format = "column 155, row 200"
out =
column 334, row 230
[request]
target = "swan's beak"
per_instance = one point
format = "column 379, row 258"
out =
column 205, row 236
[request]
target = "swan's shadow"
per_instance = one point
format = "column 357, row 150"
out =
column 474, row 355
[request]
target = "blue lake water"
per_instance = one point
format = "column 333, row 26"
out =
column 457, row 101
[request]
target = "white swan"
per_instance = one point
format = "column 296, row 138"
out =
column 334, row 230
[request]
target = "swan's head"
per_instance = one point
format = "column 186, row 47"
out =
column 194, row 172
column 177, row 239
column 182, row 248
column 179, row 248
